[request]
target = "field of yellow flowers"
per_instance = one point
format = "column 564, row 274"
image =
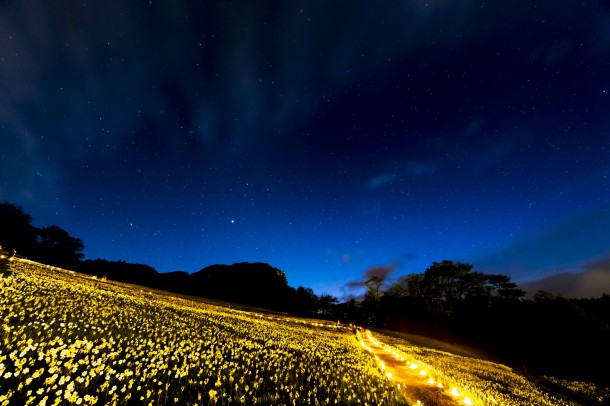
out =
column 71, row 339
column 67, row 338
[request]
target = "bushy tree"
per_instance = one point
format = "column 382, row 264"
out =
column 304, row 301
column 502, row 288
column 326, row 305
column 16, row 230
column 473, row 286
column 415, row 285
column 444, row 283
column 395, row 291
column 57, row 247
column 373, row 289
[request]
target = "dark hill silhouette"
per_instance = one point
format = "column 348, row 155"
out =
column 120, row 271
column 256, row 284
column 177, row 281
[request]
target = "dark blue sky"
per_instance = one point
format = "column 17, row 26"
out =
column 324, row 138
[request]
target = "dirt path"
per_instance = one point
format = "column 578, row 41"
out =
column 413, row 381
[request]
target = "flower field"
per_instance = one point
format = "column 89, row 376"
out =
column 67, row 338
column 70, row 339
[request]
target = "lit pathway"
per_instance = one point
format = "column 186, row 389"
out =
column 415, row 382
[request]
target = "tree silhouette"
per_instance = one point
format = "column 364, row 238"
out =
column 415, row 285
column 326, row 305
column 57, row 247
column 16, row 230
column 473, row 286
column 304, row 301
column 121, row 271
column 502, row 288
column 256, row 284
column 444, row 284
column 396, row 290
column 373, row 286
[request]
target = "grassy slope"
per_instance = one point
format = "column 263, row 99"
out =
column 574, row 392
column 70, row 338
column 463, row 349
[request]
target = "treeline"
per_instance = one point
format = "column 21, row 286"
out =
column 543, row 334
column 50, row 245
column 254, row 284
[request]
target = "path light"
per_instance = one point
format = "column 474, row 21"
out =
column 453, row 392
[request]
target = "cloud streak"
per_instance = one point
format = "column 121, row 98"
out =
column 382, row 272
column 410, row 169
column 561, row 245
column 592, row 281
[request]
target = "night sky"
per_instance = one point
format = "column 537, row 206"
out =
column 324, row 138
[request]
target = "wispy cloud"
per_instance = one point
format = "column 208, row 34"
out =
column 592, row 281
column 421, row 168
column 382, row 272
column 381, row 180
column 410, row 168
column 554, row 248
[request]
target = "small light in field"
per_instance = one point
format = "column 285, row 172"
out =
column 454, row 392
column 422, row 372
column 467, row 401
column 389, row 375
